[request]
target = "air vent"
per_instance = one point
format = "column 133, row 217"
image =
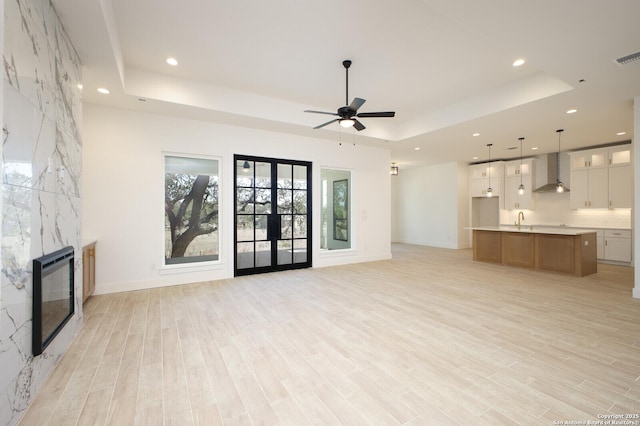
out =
column 628, row 59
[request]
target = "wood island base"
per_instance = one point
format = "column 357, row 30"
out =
column 569, row 254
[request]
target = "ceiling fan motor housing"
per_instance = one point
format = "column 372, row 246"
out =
column 346, row 112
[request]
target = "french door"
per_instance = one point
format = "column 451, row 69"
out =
column 272, row 215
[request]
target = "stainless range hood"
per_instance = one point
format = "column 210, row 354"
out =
column 553, row 170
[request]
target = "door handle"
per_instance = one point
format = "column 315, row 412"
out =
column 270, row 226
column 274, row 227
column 278, row 226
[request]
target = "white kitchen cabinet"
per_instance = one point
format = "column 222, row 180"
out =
column 591, row 158
column 600, row 243
column 617, row 245
column 620, row 155
column 589, row 188
column 484, row 175
column 620, row 187
column 602, row 178
column 479, row 187
column 515, row 174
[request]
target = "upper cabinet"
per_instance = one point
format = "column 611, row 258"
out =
column 602, row 178
column 485, row 175
column 620, row 156
column 592, row 158
column 519, row 173
column 620, row 177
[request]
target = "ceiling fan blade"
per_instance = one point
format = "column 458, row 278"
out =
column 327, row 123
column 356, row 103
column 321, row 112
column 376, row 114
column 358, row 125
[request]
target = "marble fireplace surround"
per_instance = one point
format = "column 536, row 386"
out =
column 41, row 168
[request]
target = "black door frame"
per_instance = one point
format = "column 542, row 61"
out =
column 273, row 227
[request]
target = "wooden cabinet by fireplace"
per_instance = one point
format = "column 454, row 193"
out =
column 88, row 270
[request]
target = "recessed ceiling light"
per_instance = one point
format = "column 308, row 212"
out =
column 621, row 133
column 476, row 134
column 533, row 148
column 417, row 148
column 172, row 61
column 475, row 158
column 571, row 111
column 518, row 62
column 103, row 90
column 80, row 86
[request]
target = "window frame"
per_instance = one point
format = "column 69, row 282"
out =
column 198, row 265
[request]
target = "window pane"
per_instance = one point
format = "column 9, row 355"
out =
column 299, row 251
column 261, row 227
column 300, row 226
column 284, row 176
column 245, row 200
column 285, row 254
column 245, row 255
column 263, row 175
column 263, row 253
column 263, row 201
column 191, row 210
column 286, row 222
column 244, row 227
column 300, row 177
column 285, row 201
column 244, row 173
column 300, row 202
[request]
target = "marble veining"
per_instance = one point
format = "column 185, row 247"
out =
column 42, row 155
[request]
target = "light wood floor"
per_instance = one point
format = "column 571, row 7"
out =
column 430, row 337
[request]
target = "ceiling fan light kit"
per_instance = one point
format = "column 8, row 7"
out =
column 347, row 122
column 348, row 115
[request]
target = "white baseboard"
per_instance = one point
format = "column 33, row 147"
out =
column 192, row 278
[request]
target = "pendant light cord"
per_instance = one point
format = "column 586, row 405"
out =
column 521, row 139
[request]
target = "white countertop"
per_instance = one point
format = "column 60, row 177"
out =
column 535, row 230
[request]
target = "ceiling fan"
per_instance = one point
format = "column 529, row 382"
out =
column 348, row 115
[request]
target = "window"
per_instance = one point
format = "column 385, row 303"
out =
column 191, row 193
column 336, row 206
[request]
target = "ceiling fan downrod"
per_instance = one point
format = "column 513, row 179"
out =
column 346, row 63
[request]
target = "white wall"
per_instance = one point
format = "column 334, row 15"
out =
column 431, row 206
column 123, row 186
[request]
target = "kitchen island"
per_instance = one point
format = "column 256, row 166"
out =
column 569, row 251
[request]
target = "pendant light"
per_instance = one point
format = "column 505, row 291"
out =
column 489, row 190
column 246, row 167
column 559, row 184
column 521, row 187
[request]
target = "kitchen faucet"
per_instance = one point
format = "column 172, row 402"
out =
column 520, row 215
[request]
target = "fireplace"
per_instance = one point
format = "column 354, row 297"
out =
column 53, row 296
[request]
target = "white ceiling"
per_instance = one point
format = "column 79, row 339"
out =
column 444, row 66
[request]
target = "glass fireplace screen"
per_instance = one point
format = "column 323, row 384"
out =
column 53, row 296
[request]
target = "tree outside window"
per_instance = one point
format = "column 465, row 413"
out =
column 191, row 210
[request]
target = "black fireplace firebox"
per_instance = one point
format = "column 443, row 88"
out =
column 53, row 296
